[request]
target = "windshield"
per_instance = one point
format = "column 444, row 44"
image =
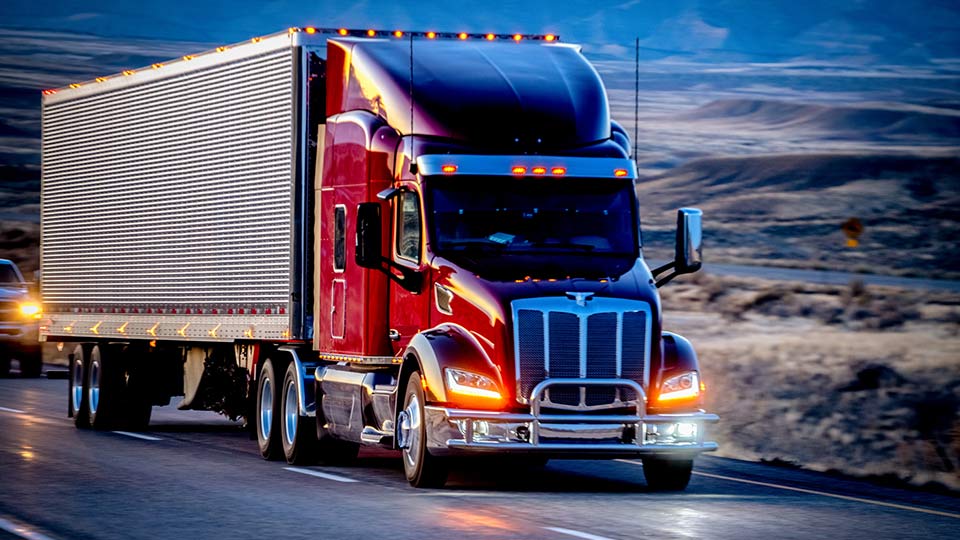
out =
column 481, row 217
column 8, row 274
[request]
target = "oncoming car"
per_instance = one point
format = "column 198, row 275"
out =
column 19, row 320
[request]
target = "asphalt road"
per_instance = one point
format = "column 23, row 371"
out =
column 830, row 277
column 194, row 475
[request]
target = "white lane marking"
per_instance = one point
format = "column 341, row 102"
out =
column 22, row 530
column 577, row 534
column 137, row 436
column 14, row 411
column 821, row 493
column 319, row 474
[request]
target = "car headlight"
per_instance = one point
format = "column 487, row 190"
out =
column 471, row 384
column 683, row 386
column 30, row 310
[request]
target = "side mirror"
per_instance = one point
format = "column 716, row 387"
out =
column 369, row 243
column 689, row 253
column 688, row 257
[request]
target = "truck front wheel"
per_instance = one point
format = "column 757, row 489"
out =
column 268, row 412
column 667, row 474
column 299, row 438
column 423, row 470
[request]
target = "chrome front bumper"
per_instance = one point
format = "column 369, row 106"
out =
column 459, row 431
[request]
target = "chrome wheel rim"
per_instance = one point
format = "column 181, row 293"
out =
column 77, row 390
column 409, row 432
column 266, row 409
column 94, row 391
column 291, row 413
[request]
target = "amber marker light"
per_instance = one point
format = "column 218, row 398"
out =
column 398, row 33
column 75, row 86
column 256, row 40
column 101, row 79
column 157, row 66
column 517, row 37
column 558, row 171
column 448, row 169
column 619, row 172
column 128, row 72
column 550, row 37
column 462, row 35
column 539, row 170
column 490, row 37
column 431, row 35
column 189, row 57
column 221, row 49
column 371, row 33
column 519, row 170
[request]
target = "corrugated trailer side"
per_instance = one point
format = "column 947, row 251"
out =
column 170, row 199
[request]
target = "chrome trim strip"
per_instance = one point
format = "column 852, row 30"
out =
column 356, row 359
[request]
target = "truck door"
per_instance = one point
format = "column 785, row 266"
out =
column 409, row 309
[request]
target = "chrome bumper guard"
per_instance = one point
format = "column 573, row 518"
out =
column 454, row 430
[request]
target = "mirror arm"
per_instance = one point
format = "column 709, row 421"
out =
column 666, row 279
column 664, row 268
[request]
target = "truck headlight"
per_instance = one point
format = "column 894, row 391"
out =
column 471, row 384
column 30, row 310
column 683, row 386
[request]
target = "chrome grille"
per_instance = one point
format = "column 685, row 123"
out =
column 602, row 338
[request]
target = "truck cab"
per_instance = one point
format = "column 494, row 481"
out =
column 480, row 280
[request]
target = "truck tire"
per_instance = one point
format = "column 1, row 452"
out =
column 667, row 474
column 31, row 364
column 106, row 387
column 139, row 401
column 298, row 436
column 268, row 412
column 77, row 396
column 423, row 470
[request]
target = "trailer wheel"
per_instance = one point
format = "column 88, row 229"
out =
column 139, row 402
column 423, row 469
column 298, row 436
column 105, row 389
column 77, row 389
column 268, row 413
column 667, row 474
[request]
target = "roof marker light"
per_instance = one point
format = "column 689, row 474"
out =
column 49, row 92
column 448, row 169
column 518, row 170
column 221, row 49
column 75, row 85
column 619, row 172
column 101, row 79
column 342, row 31
column 549, row 37
column 188, row 58
column 558, row 171
column 490, row 37
column 517, row 37
column 431, row 35
column 371, row 33
column 157, row 66
column 292, row 30
column 398, row 33
column 462, row 35
column 128, row 72
column 539, row 170
column 256, row 40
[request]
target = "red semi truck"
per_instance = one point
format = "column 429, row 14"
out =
column 418, row 241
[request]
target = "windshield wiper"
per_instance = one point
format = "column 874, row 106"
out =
column 474, row 245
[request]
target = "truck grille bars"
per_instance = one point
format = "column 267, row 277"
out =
column 595, row 338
